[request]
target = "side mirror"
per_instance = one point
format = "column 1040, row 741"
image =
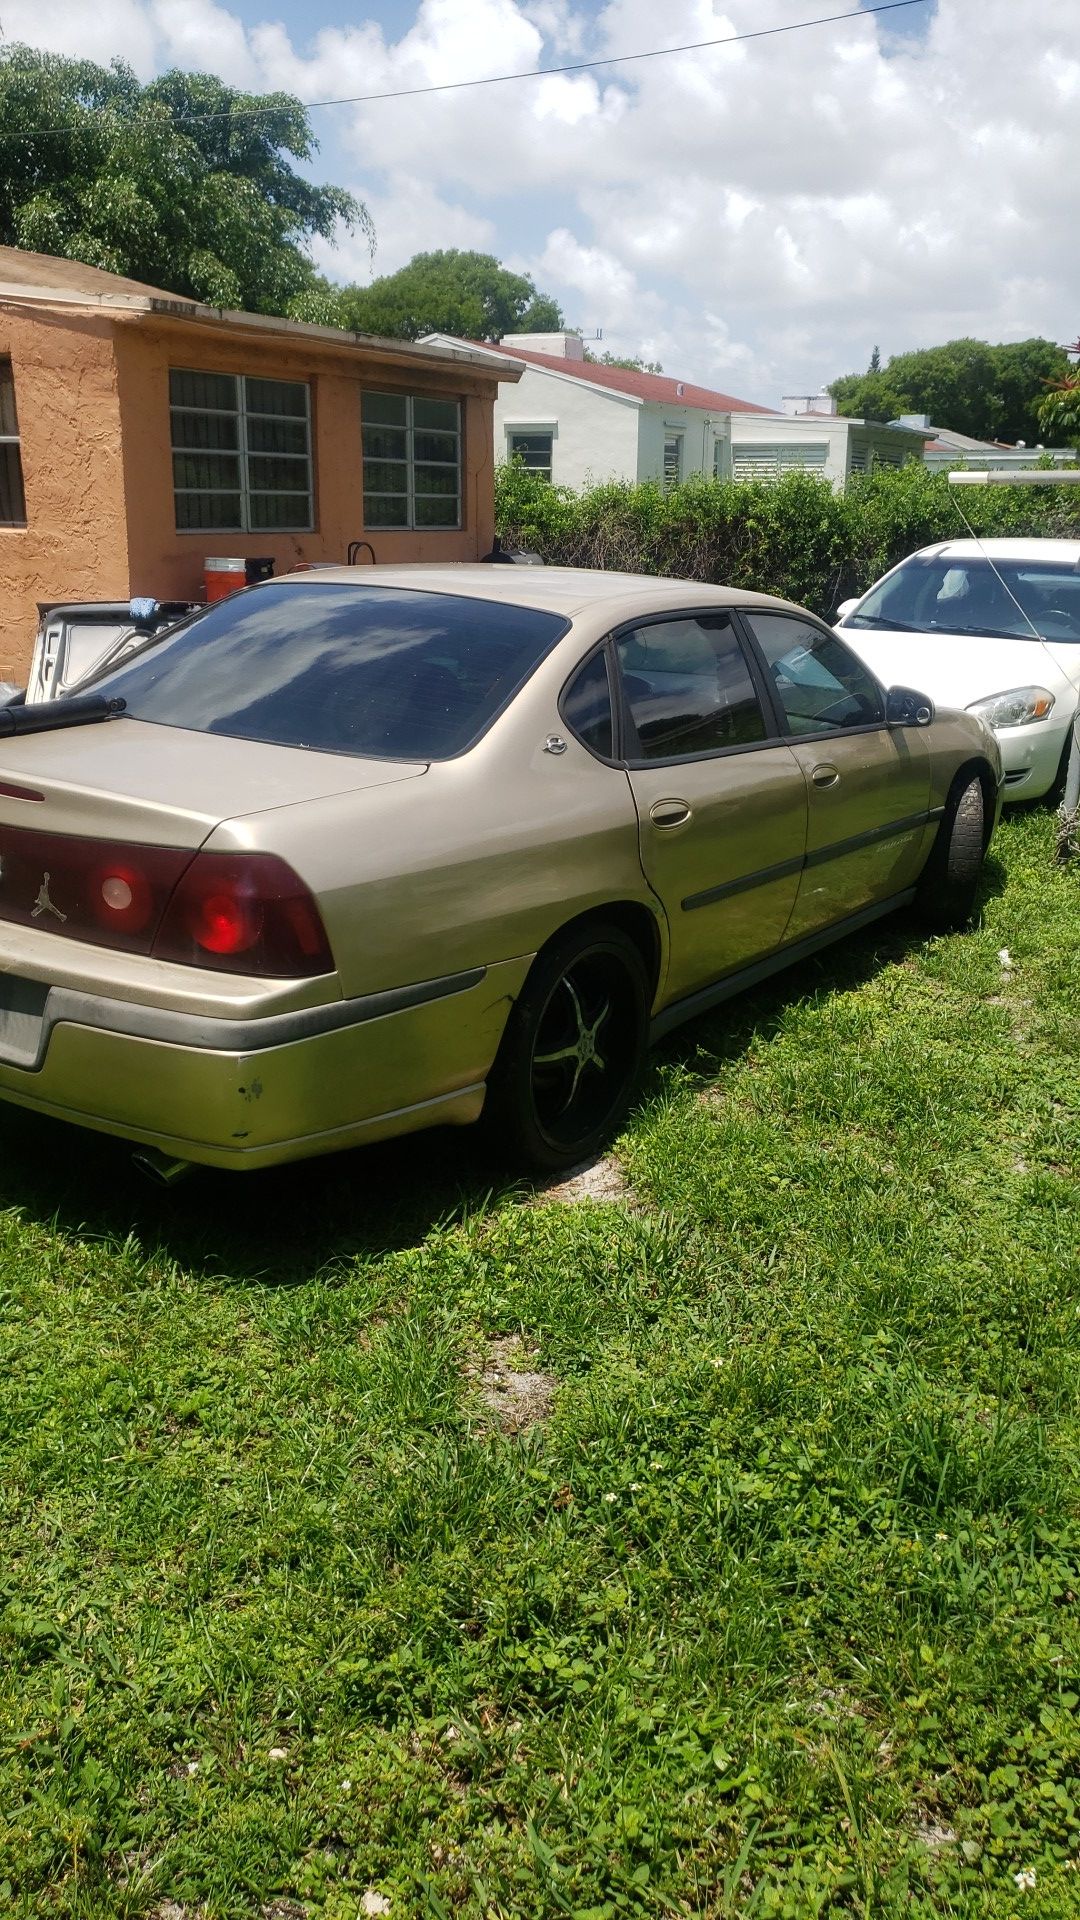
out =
column 845, row 607
column 906, row 708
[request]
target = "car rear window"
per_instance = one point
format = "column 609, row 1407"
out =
column 386, row 672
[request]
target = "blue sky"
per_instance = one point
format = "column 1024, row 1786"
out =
column 755, row 217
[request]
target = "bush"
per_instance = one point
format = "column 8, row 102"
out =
column 793, row 537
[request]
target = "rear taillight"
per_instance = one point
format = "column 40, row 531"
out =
column 246, row 913
column 242, row 912
column 112, row 894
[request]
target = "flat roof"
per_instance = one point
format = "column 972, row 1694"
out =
column 46, row 279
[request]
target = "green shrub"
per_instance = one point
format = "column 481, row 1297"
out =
column 794, row 537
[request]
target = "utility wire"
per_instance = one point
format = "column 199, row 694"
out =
column 502, row 79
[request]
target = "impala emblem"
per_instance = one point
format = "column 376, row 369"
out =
column 43, row 903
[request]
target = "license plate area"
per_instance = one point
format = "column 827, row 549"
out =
column 22, row 1013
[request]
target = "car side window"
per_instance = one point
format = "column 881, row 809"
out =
column 688, row 688
column 586, row 706
column 819, row 683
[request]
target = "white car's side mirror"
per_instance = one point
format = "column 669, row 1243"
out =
column 845, row 607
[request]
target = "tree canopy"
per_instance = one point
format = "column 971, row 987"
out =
column 452, row 291
column 990, row 392
column 1059, row 408
column 629, row 361
column 177, row 183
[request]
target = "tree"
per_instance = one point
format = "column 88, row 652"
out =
column 469, row 294
column 1059, row 410
column 185, row 183
column 990, row 392
column 875, row 361
column 628, row 361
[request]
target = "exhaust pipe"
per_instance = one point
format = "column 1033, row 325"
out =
column 158, row 1167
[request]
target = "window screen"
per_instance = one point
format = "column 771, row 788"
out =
column 688, row 688
column 533, row 450
column 241, row 453
column 412, row 461
column 12, row 498
column 820, row 684
column 673, row 460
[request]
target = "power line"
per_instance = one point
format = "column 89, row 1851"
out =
column 502, row 79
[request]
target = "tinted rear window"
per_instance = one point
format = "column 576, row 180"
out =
column 379, row 671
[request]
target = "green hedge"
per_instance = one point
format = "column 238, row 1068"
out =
column 794, row 537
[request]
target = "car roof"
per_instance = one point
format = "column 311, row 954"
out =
column 565, row 590
column 1064, row 552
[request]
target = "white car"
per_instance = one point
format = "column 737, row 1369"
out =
column 990, row 625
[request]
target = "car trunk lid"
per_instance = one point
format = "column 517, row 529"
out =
column 165, row 786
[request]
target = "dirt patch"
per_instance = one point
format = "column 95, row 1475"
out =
column 517, row 1394
column 600, row 1180
column 932, row 1834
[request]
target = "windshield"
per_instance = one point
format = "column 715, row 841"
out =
column 939, row 594
column 385, row 672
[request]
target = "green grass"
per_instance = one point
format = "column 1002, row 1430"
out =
column 777, row 1614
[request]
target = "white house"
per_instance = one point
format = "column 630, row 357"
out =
column 581, row 423
column 944, row 448
column 808, row 435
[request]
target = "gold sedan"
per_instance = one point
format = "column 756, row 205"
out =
column 359, row 852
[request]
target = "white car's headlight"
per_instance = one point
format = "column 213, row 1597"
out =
column 1016, row 708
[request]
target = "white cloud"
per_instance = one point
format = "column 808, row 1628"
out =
column 757, row 216
column 409, row 218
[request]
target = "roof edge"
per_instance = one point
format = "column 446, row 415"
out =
column 17, row 292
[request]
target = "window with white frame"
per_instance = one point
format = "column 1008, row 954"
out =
column 241, row 451
column 673, row 459
column 772, row 462
column 12, row 498
column 412, row 461
column 532, row 450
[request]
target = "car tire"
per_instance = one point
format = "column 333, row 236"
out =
column 945, row 897
column 572, row 1051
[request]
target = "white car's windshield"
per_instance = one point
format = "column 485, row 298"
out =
column 940, row 594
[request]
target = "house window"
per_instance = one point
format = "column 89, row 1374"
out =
column 534, row 450
column 412, row 461
column 241, row 453
column 673, row 444
column 771, row 462
column 12, row 499
column 860, row 456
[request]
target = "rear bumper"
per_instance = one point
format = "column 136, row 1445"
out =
column 251, row 1093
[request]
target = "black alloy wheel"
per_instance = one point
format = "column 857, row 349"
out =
column 573, row 1049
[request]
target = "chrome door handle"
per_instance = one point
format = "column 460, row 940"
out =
column 825, row 775
column 669, row 813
